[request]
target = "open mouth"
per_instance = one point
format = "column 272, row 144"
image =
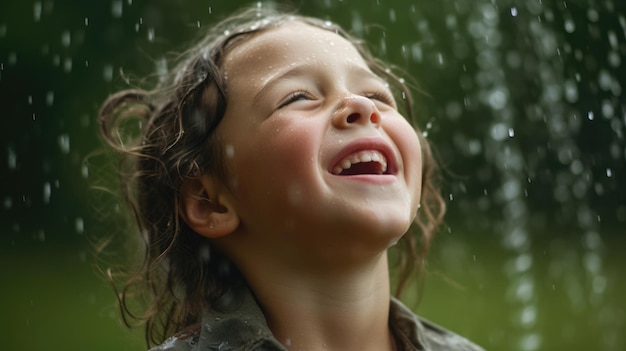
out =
column 371, row 162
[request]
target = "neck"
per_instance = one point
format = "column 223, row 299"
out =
column 327, row 310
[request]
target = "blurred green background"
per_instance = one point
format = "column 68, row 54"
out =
column 522, row 99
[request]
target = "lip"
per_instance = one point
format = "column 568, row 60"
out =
column 364, row 144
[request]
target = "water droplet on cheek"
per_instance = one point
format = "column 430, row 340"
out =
column 294, row 194
column 230, row 151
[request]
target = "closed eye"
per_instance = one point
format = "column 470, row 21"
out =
column 295, row 96
column 383, row 97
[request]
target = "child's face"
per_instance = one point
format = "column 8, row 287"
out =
column 305, row 115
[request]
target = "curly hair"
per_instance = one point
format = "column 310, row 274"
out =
column 180, row 271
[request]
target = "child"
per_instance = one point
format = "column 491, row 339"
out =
column 273, row 172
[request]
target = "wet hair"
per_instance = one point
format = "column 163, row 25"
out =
column 181, row 272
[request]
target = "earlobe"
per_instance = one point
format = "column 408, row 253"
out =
column 206, row 209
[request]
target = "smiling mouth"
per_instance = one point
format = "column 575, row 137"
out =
column 362, row 162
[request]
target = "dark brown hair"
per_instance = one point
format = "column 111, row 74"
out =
column 181, row 272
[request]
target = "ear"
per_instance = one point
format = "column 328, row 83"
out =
column 206, row 207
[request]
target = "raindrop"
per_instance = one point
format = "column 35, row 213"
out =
column 499, row 132
column 11, row 159
column 64, row 143
column 605, row 80
column 46, row 192
column 607, row 109
column 440, row 58
column 528, row 316
column 609, row 172
column 590, row 115
column 514, row 11
column 593, row 15
column 37, row 11
column 497, row 99
column 161, row 68
column 570, row 26
column 7, row 202
column 614, row 58
column 571, row 91
column 67, row 64
column 107, row 73
column 50, row 98
column 150, row 34
column 66, row 38
column 530, row 342
column 511, row 132
column 86, row 21
column 79, row 225
column 613, row 40
column 117, row 8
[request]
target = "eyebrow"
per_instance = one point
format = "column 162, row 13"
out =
column 304, row 69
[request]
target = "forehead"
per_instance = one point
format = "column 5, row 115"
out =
column 295, row 41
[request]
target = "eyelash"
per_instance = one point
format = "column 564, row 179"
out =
column 295, row 96
column 381, row 96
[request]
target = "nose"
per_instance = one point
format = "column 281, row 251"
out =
column 356, row 110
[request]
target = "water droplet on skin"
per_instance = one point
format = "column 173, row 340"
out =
column 230, row 151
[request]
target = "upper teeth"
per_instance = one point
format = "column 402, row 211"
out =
column 361, row 156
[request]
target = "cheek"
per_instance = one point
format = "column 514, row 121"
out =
column 410, row 147
column 274, row 163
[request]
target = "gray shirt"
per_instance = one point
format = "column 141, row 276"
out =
column 244, row 328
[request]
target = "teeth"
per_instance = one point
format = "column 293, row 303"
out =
column 361, row 156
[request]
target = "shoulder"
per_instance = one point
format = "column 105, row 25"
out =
column 184, row 340
column 442, row 339
column 417, row 333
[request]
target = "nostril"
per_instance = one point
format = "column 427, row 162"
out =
column 353, row 118
column 375, row 118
